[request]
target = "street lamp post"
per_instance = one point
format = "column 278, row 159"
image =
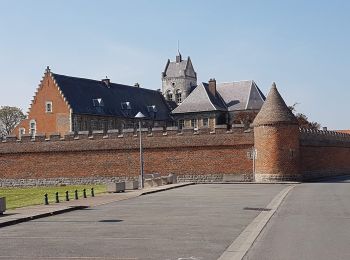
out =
column 139, row 116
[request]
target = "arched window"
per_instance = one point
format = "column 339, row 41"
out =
column 32, row 127
column 169, row 95
column 178, row 96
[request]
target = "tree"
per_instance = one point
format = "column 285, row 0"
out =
column 303, row 119
column 9, row 118
column 245, row 118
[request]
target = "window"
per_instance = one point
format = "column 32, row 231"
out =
column 169, row 95
column 21, row 131
column 32, row 127
column 48, row 106
column 126, row 105
column 205, row 122
column 152, row 108
column 178, row 96
column 181, row 123
column 98, row 102
column 194, row 123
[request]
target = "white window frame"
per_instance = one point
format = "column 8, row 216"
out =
column 32, row 130
column 21, row 131
column 48, row 103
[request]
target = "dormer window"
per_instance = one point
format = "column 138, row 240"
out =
column 48, row 106
column 98, row 102
column 152, row 109
column 126, row 105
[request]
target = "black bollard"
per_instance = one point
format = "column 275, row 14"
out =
column 57, row 198
column 76, row 194
column 67, row 196
column 46, row 199
column 92, row 192
column 84, row 193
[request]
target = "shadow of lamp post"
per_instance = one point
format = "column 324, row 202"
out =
column 140, row 116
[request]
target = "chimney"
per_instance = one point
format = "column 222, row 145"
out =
column 136, row 85
column 212, row 86
column 106, row 81
column 324, row 128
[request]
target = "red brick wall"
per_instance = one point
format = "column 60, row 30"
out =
column 187, row 154
column 277, row 152
column 324, row 153
column 56, row 122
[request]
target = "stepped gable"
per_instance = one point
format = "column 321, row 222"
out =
column 274, row 111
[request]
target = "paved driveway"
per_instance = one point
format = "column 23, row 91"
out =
column 193, row 222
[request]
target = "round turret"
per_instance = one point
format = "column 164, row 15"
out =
column 276, row 141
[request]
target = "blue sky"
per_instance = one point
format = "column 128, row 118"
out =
column 301, row 45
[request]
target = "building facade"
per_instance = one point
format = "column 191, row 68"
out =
column 65, row 104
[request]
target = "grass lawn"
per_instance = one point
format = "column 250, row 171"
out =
column 21, row 197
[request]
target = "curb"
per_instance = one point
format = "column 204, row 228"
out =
column 240, row 246
column 169, row 188
column 43, row 215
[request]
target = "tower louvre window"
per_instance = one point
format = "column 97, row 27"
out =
column 178, row 96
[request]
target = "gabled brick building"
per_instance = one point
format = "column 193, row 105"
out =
column 65, row 104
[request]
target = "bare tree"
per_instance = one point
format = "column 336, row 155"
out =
column 245, row 118
column 9, row 118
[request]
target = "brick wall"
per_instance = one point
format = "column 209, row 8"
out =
column 324, row 153
column 191, row 155
column 277, row 150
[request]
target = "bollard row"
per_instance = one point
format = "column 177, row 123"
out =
column 67, row 198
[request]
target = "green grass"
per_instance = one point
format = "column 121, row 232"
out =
column 21, row 197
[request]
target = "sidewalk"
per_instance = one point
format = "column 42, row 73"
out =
column 12, row 217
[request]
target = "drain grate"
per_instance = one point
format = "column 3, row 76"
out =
column 257, row 209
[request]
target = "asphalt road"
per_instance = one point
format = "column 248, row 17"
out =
column 312, row 223
column 195, row 222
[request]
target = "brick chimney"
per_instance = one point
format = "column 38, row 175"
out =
column 212, row 86
column 106, row 81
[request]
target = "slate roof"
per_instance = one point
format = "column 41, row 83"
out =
column 274, row 110
column 241, row 95
column 200, row 99
column 81, row 94
column 174, row 69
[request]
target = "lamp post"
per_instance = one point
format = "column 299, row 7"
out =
column 139, row 116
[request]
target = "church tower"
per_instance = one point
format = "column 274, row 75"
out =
column 178, row 79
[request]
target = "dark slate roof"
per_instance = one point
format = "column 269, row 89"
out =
column 200, row 99
column 274, row 110
column 241, row 95
column 80, row 93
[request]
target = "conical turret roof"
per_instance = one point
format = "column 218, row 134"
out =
column 274, row 110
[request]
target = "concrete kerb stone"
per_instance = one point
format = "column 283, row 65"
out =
column 240, row 246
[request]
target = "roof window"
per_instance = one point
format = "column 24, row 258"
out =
column 126, row 105
column 152, row 108
column 97, row 102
